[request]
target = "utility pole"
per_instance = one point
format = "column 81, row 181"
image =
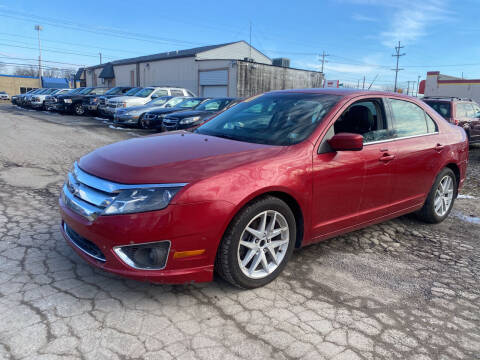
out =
column 324, row 55
column 40, row 73
column 397, row 55
column 358, row 84
column 363, row 87
column 100, row 57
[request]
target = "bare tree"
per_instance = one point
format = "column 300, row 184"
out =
column 25, row 71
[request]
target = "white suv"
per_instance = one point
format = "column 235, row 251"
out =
column 144, row 95
column 4, row 95
column 38, row 101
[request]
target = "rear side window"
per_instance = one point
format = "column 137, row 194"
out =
column 177, row 92
column 410, row 119
column 444, row 108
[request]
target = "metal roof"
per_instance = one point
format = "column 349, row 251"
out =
column 166, row 55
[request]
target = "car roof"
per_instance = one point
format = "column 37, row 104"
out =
column 342, row 92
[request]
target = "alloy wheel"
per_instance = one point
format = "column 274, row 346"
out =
column 444, row 196
column 263, row 244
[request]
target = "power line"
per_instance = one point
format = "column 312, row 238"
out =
column 397, row 55
column 48, row 61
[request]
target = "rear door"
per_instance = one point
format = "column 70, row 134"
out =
column 419, row 147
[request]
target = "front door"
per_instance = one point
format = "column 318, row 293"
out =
column 352, row 187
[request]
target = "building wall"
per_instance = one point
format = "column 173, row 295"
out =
column 441, row 85
column 12, row 84
column 180, row 72
column 253, row 78
column 237, row 51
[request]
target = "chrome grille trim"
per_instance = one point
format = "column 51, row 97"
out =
column 113, row 187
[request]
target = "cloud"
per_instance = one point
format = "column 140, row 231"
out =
column 407, row 21
column 364, row 18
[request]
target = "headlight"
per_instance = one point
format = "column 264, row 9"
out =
column 190, row 120
column 141, row 200
column 68, row 101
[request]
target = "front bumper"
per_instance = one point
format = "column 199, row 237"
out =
column 126, row 119
column 62, row 107
column 36, row 105
column 188, row 227
column 90, row 107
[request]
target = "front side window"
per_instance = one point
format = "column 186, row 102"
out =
column 367, row 118
column 410, row 119
column 274, row 119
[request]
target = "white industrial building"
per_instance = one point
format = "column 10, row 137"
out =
column 438, row 85
column 232, row 69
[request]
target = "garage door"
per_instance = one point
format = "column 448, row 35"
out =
column 214, row 77
column 214, row 91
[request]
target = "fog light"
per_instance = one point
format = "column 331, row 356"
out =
column 151, row 256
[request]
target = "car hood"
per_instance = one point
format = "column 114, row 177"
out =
column 178, row 157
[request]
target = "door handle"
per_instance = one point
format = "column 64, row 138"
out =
column 387, row 158
column 439, row 147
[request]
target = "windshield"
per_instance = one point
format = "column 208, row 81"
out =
column 214, row 105
column 86, row 91
column 132, row 91
column 441, row 107
column 174, row 101
column 114, row 91
column 144, row 92
column 272, row 119
column 159, row 101
column 189, row 103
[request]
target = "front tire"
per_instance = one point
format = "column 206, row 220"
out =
column 257, row 244
column 141, row 124
column 78, row 109
column 440, row 199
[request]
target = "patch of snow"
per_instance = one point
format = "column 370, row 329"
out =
column 116, row 128
column 461, row 196
column 467, row 218
column 100, row 119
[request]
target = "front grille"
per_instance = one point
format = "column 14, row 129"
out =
column 102, row 101
column 83, row 244
column 171, row 121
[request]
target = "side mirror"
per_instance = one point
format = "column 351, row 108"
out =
column 346, row 142
column 154, row 96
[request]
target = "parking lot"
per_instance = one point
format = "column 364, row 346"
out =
column 398, row 290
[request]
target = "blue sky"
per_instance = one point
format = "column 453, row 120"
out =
column 359, row 35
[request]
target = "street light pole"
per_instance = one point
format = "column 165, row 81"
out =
column 40, row 73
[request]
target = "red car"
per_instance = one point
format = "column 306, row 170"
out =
column 276, row 172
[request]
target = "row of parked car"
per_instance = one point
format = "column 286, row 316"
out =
column 156, row 107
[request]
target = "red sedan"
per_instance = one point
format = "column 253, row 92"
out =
column 276, row 172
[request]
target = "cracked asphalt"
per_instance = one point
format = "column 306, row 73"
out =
column 398, row 290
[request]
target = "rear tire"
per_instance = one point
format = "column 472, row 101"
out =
column 440, row 199
column 254, row 257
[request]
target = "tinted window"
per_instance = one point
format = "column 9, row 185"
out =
column 177, row 92
column 444, row 108
column 410, row 119
column 275, row 119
